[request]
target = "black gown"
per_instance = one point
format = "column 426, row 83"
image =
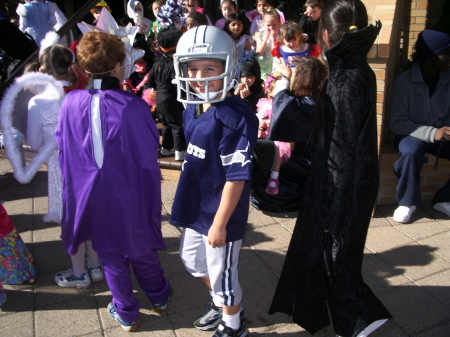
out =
column 321, row 281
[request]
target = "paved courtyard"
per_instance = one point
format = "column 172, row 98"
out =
column 407, row 266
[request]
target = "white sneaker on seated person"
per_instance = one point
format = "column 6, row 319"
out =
column 403, row 213
column 443, row 207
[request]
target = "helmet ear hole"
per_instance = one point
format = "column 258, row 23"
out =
column 201, row 43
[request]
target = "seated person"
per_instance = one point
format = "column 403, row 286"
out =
column 420, row 121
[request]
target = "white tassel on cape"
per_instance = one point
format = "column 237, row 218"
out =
column 34, row 81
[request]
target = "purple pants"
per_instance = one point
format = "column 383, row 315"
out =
column 149, row 274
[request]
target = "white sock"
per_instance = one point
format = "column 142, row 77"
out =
column 232, row 321
column 274, row 175
column 78, row 260
column 371, row 328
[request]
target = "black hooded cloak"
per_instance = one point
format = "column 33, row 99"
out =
column 321, row 281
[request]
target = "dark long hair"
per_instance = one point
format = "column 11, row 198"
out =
column 241, row 17
column 337, row 17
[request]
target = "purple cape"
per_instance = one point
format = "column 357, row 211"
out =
column 118, row 206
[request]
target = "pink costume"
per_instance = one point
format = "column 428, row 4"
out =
column 265, row 111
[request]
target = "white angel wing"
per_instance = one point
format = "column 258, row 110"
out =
column 14, row 121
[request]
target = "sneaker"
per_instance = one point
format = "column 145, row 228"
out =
column 371, row 328
column 210, row 319
column 180, row 155
column 166, row 152
column 114, row 315
column 225, row 331
column 403, row 213
column 67, row 279
column 443, row 207
column 162, row 306
column 272, row 186
column 96, row 273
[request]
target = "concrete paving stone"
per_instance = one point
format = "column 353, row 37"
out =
column 439, row 216
column 171, row 263
column 381, row 239
column 79, row 317
column 189, row 293
column 168, row 189
column 23, row 222
column 381, row 276
column 389, row 329
column 421, row 230
column 258, row 219
column 268, row 238
column 417, row 261
column 438, row 286
column 441, row 242
column 145, row 329
column 436, row 331
column 413, row 309
column 18, row 324
column 281, row 329
column 378, row 220
column 182, row 322
column 19, row 298
column 5, row 165
column 273, row 260
column 19, row 206
column 167, row 207
column 48, row 293
column 50, row 257
column 49, row 234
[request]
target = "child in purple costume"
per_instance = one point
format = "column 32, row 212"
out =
column 108, row 145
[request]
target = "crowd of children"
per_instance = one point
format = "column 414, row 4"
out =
column 235, row 80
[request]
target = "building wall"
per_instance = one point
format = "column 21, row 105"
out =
column 402, row 21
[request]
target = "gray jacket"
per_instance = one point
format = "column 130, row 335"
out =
column 413, row 111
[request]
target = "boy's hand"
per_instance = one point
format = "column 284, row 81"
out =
column 217, row 236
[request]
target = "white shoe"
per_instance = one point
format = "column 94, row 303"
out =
column 166, row 152
column 96, row 273
column 403, row 213
column 180, row 155
column 372, row 327
column 443, row 207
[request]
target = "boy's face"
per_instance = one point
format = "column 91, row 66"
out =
column 204, row 69
column 313, row 12
column 191, row 23
column 227, row 9
column 248, row 80
column 293, row 44
column 156, row 8
column 262, row 6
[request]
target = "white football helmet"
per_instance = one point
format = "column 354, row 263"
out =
column 199, row 43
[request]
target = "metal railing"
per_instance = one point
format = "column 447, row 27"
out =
column 64, row 30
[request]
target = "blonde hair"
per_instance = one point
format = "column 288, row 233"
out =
column 98, row 53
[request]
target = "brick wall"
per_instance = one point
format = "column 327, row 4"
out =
column 402, row 21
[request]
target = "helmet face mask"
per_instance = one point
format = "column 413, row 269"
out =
column 199, row 44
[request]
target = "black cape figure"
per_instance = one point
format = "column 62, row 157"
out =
column 292, row 120
column 321, row 281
